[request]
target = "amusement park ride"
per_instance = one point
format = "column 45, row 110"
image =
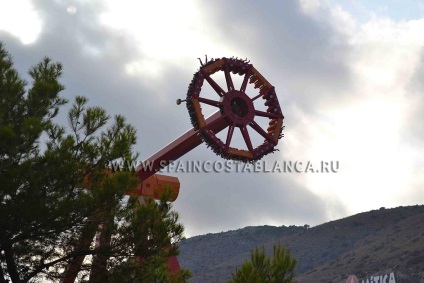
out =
column 235, row 109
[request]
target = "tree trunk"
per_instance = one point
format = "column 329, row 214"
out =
column 10, row 261
column 99, row 266
column 86, row 239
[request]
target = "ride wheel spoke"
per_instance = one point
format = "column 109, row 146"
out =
column 246, row 137
column 259, row 95
column 246, row 80
column 215, row 86
column 260, row 131
column 228, row 78
column 229, row 137
column 210, row 102
column 255, row 118
column 266, row 114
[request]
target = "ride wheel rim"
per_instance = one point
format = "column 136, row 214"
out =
column 237, row 108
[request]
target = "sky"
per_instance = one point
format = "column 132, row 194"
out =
column 349, row 76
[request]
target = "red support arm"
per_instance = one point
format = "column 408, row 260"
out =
column 178, row 148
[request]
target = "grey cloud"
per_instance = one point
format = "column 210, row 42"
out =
column 287, row 46
column 102, row 78
column 306, row 58
column 415, row 129
column 217, row 202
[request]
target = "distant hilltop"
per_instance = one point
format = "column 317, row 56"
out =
column 372, row 245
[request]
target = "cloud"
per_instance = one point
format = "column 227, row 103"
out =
column 415, row 90
column 219, row 202
column 94, row 60
column 350, row 91
column 307, row 51
column 369, row 130
column 19, row 19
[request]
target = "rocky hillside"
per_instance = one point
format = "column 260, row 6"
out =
column 373, row 243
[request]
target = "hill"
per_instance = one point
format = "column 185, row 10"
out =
column 372, row 243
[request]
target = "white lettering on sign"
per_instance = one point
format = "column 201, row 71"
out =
column 381, row 279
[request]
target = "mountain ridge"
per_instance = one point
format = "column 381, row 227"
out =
column 370, row 243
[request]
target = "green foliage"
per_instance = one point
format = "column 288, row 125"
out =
column 56, row 191
column 151, row 243
column 263, row 269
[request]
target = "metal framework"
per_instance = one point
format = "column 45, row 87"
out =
column 235, row 109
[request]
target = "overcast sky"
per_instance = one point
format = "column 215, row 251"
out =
column 349, row 76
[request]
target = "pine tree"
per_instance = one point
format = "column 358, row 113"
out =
column 151, row 242
column 262, row 269
column 55, row 187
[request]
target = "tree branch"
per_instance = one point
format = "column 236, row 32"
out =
column 49, row 264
